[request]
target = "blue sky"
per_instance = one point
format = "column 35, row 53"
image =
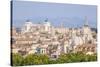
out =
column 71, row 15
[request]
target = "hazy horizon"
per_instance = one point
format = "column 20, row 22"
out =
column 72, row 15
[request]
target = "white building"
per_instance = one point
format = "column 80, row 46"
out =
column 27, row 27
column 47, row 26
column 87, row 33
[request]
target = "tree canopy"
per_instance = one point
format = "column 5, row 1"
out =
column 39, row 59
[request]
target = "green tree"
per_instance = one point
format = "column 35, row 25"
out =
column 37, row 59
column 76, row 57
column 90, row 58
column 17, row 59
column 44, row 58
column 31, row 59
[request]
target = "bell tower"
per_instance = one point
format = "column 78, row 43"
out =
column 86, row 22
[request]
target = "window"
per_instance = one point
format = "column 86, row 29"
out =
column 54, row 56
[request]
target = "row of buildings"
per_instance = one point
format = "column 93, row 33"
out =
column 53, row 41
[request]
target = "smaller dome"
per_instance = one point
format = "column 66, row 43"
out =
column 28, row 22
column 47, row 23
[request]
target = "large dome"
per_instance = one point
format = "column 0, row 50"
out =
column 28, row 23
column 47, row 23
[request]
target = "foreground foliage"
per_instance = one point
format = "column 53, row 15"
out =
column 37, row 59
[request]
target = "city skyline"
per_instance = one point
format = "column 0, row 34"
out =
column 71, row 15
column 52, row 33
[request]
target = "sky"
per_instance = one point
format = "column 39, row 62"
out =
column 72, row 15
